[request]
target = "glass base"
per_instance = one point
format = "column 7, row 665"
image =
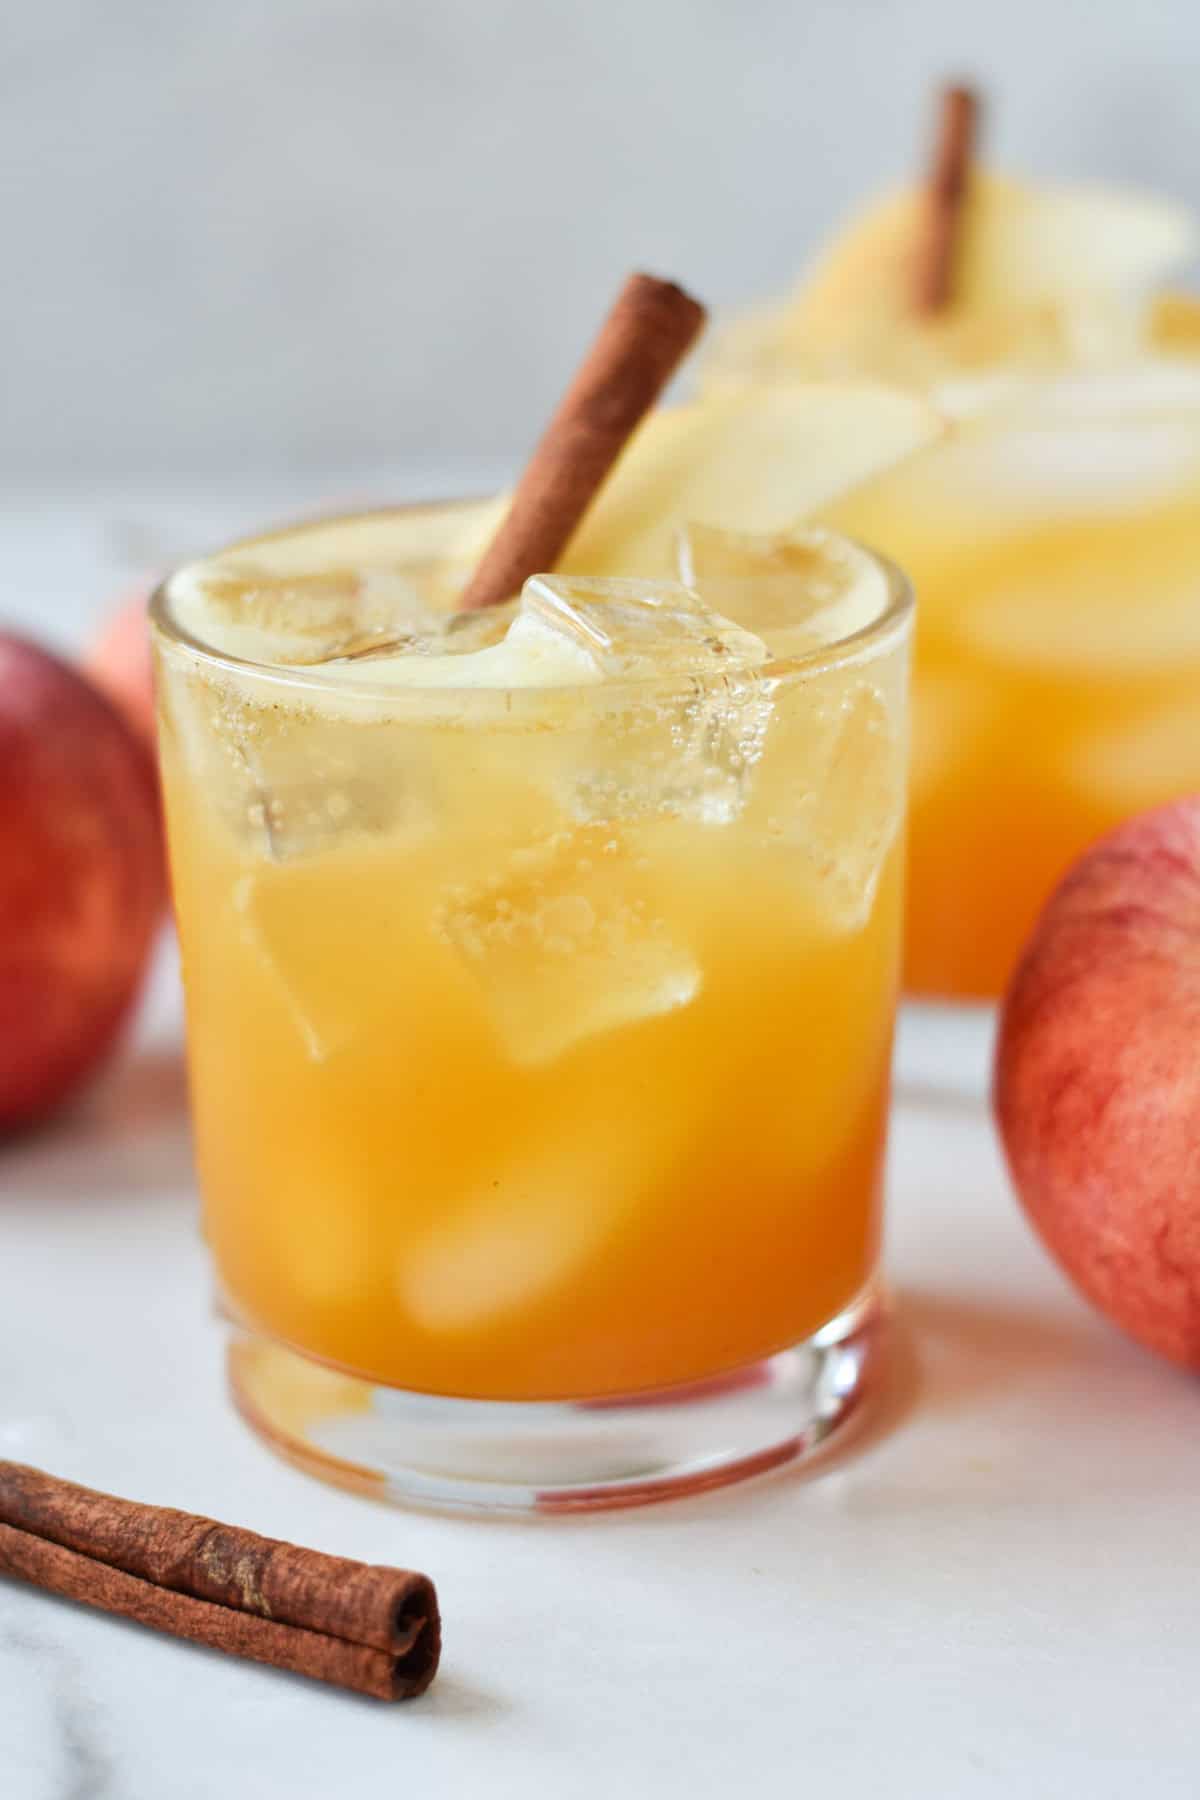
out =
column 560, row 1456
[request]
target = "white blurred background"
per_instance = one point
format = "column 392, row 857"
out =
column 252, row 237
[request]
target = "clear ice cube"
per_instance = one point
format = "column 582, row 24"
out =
column 796, row 590
column 637, row 630
column 290, row 780
column 334, row 594
column 674, row 755
column 295, row 618
column 831, row 791
column 566, row 942
column 681, row 748
column 855, row 815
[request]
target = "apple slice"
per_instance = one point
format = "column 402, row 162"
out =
column 337, row 587
column 755, row 460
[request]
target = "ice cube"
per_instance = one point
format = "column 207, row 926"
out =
column 831, row 790
column 556, row 1190
column 684, row 746
column 287, row 772
column 566, row 942
column 858, row 809
column 316, row 780
column 491, row 649
column 797, row 590
column 638, row 630
column 683, row 755
column 300, row 617
column 308, row 985
column 517, row 1239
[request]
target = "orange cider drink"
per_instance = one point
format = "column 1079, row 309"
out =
column 1052, row 537
column 540, row 968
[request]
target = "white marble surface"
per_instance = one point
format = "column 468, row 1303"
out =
column 993, row 1595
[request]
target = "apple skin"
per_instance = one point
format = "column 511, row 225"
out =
column 82, row 883
column 120, row 664
column 1097, row 1078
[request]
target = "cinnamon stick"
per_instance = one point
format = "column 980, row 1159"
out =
column 651, row 326
column 373, row 1629
column 945, row 192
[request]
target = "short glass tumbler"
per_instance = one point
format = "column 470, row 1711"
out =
column 539, row 1045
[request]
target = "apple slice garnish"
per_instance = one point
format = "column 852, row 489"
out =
column 756, row 460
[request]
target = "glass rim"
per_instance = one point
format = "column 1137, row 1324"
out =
column 889, row 625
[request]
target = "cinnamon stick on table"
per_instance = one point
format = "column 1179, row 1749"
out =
column 369, row 1628
column 651, row 326
column 945, row 193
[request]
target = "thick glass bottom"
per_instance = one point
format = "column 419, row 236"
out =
column 560, row 1456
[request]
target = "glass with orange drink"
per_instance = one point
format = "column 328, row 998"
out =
column 541, row 967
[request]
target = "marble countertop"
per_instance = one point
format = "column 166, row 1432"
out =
column 989, row 1594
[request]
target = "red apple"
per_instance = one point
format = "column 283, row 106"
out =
column 81, row 878
column 1097, row 1078
column 119, row 662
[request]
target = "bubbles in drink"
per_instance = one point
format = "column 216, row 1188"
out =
column 680, row 734
column 685, row 745
column 687, row 755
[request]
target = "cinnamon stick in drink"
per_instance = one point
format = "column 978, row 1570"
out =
column 373, row 1629
column 945, row 193
column 651, row 326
